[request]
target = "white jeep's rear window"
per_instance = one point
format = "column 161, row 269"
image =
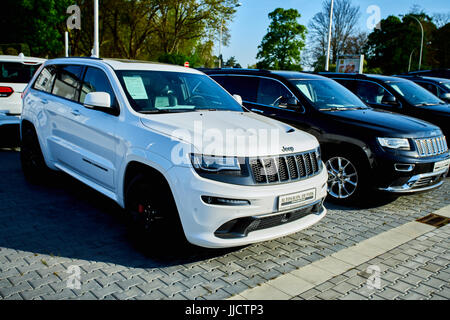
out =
column 17, row 72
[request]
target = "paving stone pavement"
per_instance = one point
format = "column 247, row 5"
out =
column 418, row 270
column 44, row 230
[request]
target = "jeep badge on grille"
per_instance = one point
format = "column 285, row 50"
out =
column 287, row 149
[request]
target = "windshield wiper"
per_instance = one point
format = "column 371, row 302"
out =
column 164, row 111
column 425, row 104
column 358, row 108
column 206, row 109
column 334, row 108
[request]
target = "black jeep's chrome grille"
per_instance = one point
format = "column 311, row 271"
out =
column 285, row 168
column 431, row 146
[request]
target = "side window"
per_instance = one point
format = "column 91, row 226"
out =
column 371, row 92
column 430, row 87
column 270, row 92
column 246, row 87
column 44, row 81
column 349, row 84
column 67, row 82
column 95, row 80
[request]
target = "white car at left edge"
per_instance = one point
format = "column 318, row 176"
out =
column 15, row 73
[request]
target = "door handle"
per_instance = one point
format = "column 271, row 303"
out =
column 75, row 112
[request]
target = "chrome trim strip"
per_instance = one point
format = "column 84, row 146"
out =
column 396, row 190
column 410, row 189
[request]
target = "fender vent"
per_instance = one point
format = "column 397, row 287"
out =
column 434, row 220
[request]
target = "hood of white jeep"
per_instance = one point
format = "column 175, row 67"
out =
column 227, row 133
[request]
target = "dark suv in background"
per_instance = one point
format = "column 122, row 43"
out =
column 397, row 95
column 363, row 148
column 438, row 73
column 440, row 87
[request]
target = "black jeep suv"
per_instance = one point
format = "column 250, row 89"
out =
column 440, row 87
column 363, row 148
column 397, row 95
column 438, row 73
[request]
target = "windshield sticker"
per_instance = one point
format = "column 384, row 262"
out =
column 135, row 87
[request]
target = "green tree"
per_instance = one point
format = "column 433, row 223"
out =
column 132, row 29
column 440, row 47
column 232, row 63
column 398, row 39
column 39, row 23
column 281, row 46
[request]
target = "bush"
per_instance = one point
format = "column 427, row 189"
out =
column 15, row 48
column 178, row 59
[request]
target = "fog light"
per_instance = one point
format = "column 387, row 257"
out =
column 224, row 201
column 403, row 167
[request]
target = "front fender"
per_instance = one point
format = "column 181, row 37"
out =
column 339, row 141
column 144, row 157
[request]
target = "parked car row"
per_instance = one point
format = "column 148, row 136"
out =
column 397, row 95
column 183, row 156
column 440, row 87
column 364, row 148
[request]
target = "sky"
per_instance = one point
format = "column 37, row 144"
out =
column 251, row 21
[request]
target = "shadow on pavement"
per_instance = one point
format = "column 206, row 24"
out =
column 65, row 218
column 378, row 199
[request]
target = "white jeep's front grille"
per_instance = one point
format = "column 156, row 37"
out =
column 428, row 147
column 286, row 168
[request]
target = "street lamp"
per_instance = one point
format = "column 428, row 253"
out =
column 221, row 35
column 410, row 56
column 96, row 50
column 327, row 62
column 421, row 43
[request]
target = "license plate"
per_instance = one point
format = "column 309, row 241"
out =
column 297, row 199
column 441, row 165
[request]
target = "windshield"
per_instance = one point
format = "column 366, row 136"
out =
column 162, row 92
column 446, row 84
column 17, row 72
column 415, row 94
column 326, row 94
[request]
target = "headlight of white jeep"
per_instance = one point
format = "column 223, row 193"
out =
column 215, row 164
column 394, row 143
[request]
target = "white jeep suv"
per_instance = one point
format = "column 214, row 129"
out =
column 15, row 73
column 174, row 149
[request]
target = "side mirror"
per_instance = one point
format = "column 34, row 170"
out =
column 290, row 103
column 98, row 100
column 445, row 96
column 389, row 100
column 238, row 98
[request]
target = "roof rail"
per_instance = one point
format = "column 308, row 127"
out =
column 75, row 57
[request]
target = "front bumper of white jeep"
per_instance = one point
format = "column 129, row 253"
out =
column 255, row 217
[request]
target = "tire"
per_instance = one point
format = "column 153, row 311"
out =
column 347, row 178
column 33, row 164
column 152, row 211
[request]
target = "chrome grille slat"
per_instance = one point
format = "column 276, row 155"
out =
column 285, row 168
column 292, row 166
column 427, row 147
